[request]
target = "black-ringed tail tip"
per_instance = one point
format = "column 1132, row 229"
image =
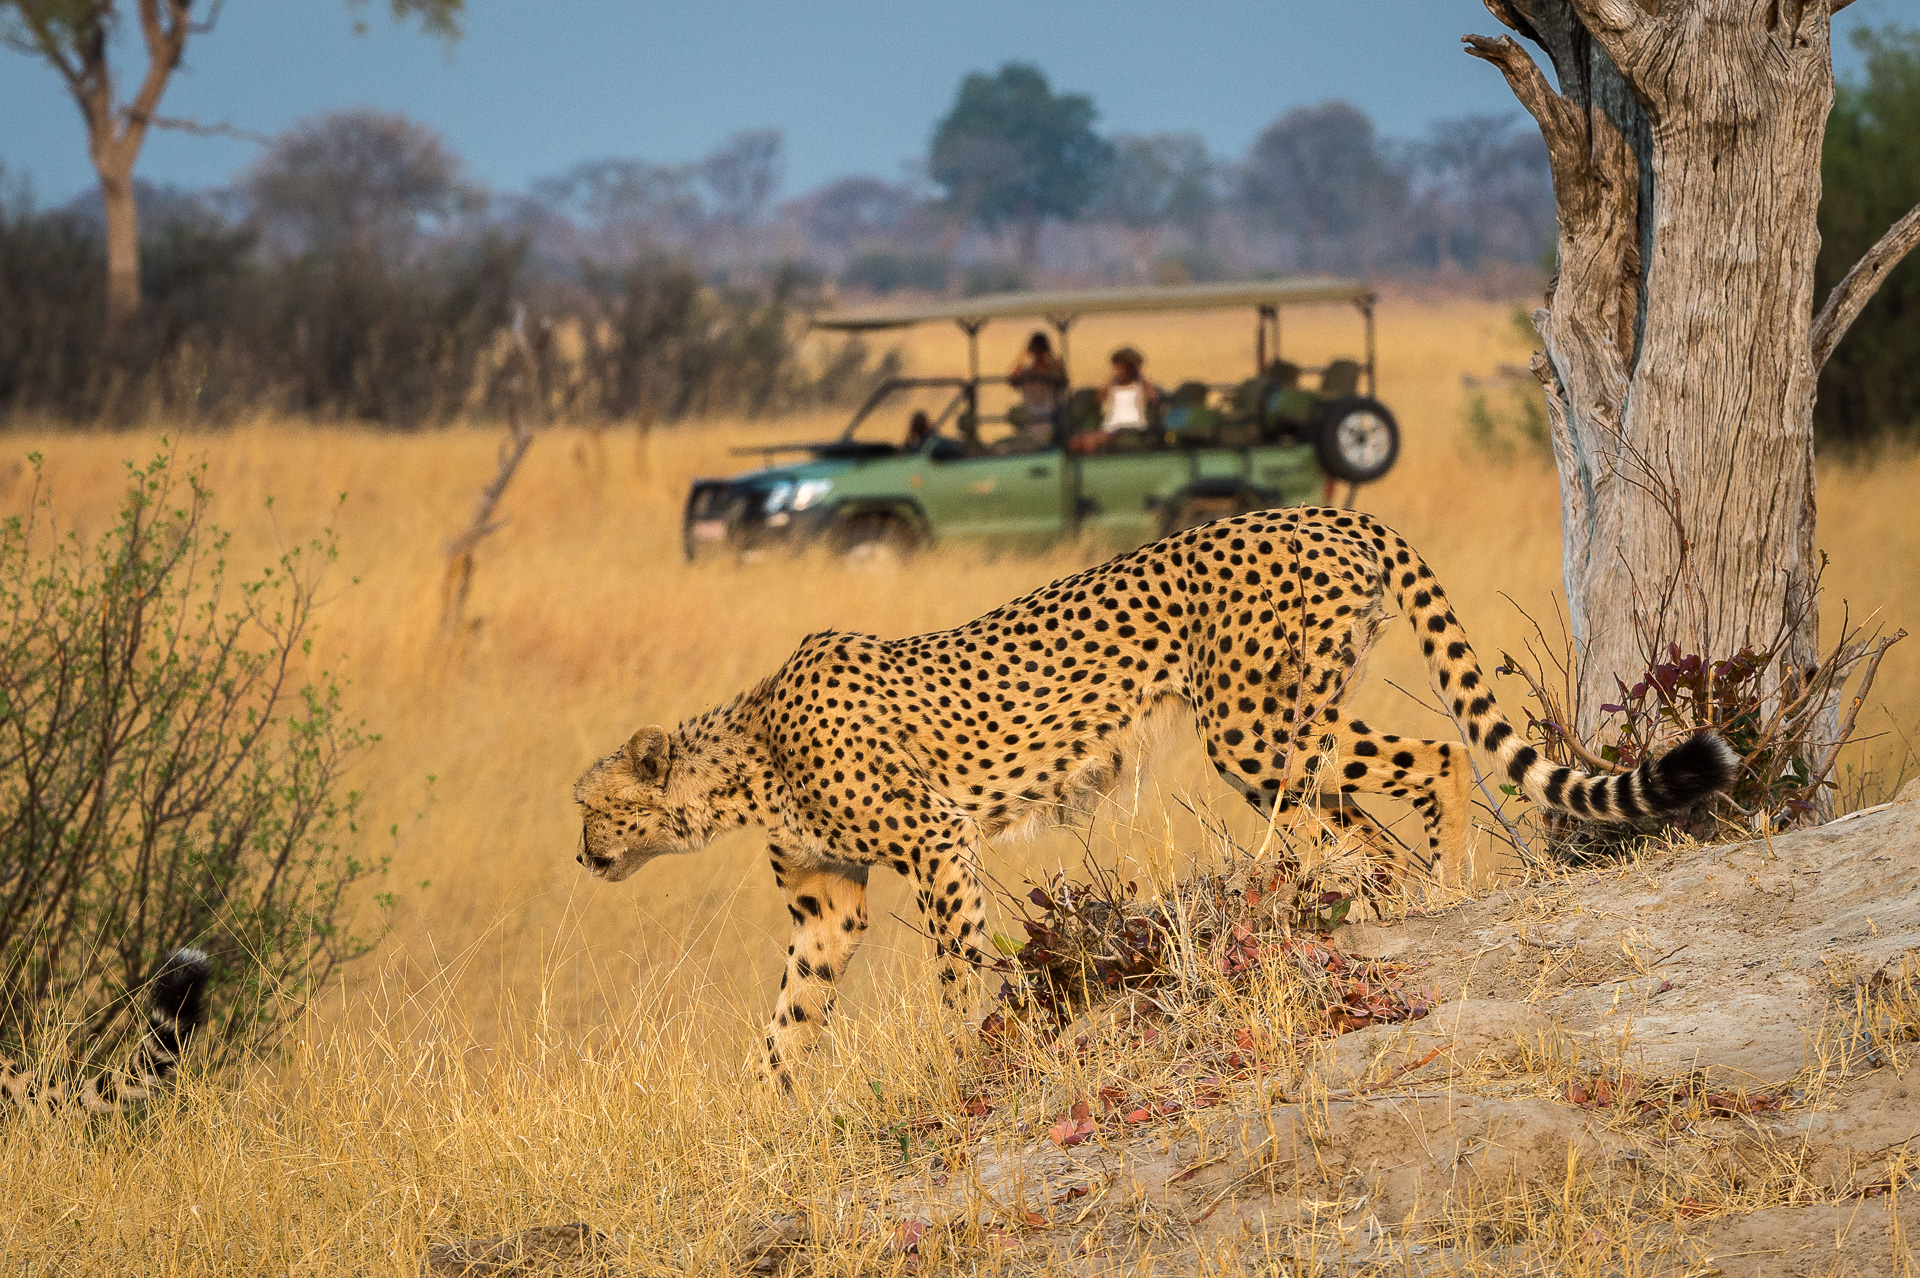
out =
column 176, row 1011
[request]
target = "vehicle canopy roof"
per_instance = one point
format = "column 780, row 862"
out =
column 1057, row 305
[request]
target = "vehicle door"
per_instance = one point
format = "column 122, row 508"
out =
column 1119, row 494
column 996, row 496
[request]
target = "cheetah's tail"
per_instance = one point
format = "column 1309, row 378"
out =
column 1664, row 787
column 176, row 1011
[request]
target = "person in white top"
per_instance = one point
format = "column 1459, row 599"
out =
column 1127, row 396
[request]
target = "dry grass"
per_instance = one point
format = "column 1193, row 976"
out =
column 532, row 1046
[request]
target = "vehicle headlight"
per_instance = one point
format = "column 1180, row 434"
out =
column 777, row 498
column 810, row 492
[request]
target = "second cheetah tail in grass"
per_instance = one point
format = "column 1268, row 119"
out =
column 1665, row 787
column 176, row 1011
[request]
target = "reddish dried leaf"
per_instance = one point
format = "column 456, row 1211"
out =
column 907, row 1235
column 1070, row 1131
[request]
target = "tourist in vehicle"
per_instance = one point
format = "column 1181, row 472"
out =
column 1128, row 397
column 1127, row 402
column 919, row 431
column 1040, row 377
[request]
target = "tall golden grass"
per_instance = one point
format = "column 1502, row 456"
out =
column 529, row 1041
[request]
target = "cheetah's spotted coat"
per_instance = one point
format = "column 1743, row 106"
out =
column 905, row 752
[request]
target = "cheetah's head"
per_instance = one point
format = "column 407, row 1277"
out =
column 631, row 808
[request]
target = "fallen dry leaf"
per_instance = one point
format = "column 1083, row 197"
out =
column 907, row 1235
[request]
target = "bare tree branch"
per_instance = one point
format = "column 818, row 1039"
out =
column 219, row 129
column 524, row 384
column 166, row 41
column 1562, row 124
column 1844, row 303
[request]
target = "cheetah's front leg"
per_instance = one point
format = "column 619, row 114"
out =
column 829, row 912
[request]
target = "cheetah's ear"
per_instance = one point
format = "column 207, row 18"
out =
column 647, row 752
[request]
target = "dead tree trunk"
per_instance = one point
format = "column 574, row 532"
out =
column 525, row 410
column 1680, row 359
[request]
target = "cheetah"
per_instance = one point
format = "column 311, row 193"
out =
column 176, row 1010
column 905, row 753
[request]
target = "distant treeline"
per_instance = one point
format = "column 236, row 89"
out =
column 276, row 302
column 353, row 272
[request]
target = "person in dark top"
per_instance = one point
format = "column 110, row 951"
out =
column 1041, row 378
column 919, row 431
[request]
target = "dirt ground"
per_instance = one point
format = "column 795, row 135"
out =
column 1698, row 1062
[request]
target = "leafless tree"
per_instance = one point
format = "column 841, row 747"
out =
column 1681, row 344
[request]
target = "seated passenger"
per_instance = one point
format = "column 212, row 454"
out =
column 919, row 431
column 1127, row 397
column 1041, row 378
column 1127, row 403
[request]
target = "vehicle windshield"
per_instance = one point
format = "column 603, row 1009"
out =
column 889, row 417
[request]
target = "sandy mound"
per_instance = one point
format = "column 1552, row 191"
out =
column 1690, row 1065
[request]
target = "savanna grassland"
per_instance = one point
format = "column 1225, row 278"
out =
column 529, row 1046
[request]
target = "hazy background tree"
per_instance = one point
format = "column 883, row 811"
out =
column 1870, row 175
column 1013, row 152
column 1317, row 175
column 1158, row 182
column 608, row 210
column 743, row 174
column 1481, row 188
column 75, row 37
column 852, row 211
column 357, row 182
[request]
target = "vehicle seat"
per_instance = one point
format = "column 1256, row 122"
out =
column 1083, row 410
column 1288, row 410
column 1188, row 394
column 1341, row 379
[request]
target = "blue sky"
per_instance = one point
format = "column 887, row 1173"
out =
column 856, row 85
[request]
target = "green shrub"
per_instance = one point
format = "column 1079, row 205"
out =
column 170, row 771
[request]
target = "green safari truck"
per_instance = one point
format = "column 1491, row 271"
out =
column 979, row 471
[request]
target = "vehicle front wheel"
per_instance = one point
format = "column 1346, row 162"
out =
column 1358, row 440
column 876, row 540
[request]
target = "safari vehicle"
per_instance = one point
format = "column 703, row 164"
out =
column 985, row 473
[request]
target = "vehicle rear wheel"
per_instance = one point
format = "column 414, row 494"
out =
column 1196, row 509
column 1358, row 439
column 876, row 540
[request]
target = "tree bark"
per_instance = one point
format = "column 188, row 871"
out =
column 123, row 243
column 1678, row 364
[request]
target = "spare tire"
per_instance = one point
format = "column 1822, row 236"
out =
column 1358, row 440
